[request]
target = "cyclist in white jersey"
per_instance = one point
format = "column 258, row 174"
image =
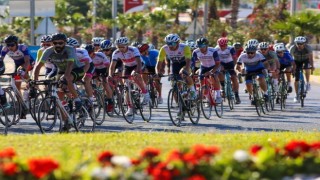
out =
column 86, row 62
column 130, row 56
column 96, row 43
column 253, row 62
column 209, row 63
column 51, row 69
column 228, row 59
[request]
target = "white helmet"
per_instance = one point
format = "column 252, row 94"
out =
column 151, row 46
column 253, row 42
column 300, row 39
column 172, row 38
column 73, row 42
column 192, row 45
column 122, row 41
column 263, row 45
column 279, row 47
column 97, row 40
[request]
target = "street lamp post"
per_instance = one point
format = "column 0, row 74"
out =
column 114, row 15
column 32, row 14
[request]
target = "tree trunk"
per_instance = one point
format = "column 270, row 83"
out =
column 213, row 10
column 282, row 8
column 234, row 13
column 176, row 21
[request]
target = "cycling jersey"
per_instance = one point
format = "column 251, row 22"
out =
column 286, row 59
column 83, row 56
column 226, row 55
column 100, row 60
column 271, row 57
column 128, row 58
column 179, row 55
column 302, row 55
column 208, row 59
column 47, row 64
column 61, row 59
column 18, row 55
column 151, row 59
column 253, row 64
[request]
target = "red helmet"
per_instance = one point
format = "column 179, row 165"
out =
column 222, row 41
column 143, row 47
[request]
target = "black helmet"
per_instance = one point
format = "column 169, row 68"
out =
column 89, row 48
column 59, row 36
column 11, row 39
column 202, row 41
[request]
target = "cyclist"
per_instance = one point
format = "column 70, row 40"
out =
column 238, row 48
column 253, row 62
column 195, row 63
column 51, row 69
column 101, row 63
column 227, row 57
column 3, row 99
column 69, row 67
column 130, row 56
column 273, row 62
column 20, row 55
column 253, row 42
column 96, row 43
column 86, row 63
column 303, row 58
column 286, row 64
column 209, row 64
column 135, row 44
column 149, row 58
column 178, row 56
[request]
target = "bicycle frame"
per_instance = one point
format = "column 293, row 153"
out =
column 301, row 94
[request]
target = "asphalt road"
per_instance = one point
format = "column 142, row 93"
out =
column 242, row 119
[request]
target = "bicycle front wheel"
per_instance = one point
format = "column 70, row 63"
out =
column 230, row 96
column 99, row 107
column 175, row 107
column 47, row 114
column 205, row 104
column 194, row 110
column 85, row 119
column 145, row 110
column 302, row 92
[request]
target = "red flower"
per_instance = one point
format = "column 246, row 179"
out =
column 9, row 169
column 315, row 146
column 296, row 148
column 255, row 149
column 161, row 172
column 105, row 157
column 202, row 151
column 190, row 158
column 150, row 152
column 7, row 153
column 174, row 155
column 135, row 162
column 41, row 167
column 196, row 177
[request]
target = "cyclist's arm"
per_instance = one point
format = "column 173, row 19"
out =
column 39, row 54
column 37, row 70
column 112, row 67
column 310, row 55
column 160, row 61
column 217, row 65
column 187, row 54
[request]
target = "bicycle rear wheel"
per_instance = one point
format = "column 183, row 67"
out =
column 99, row 107
column 205, row 104
column 175, row 107
column 84, row 118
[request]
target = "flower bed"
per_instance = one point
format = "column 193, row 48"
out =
column 195, row 163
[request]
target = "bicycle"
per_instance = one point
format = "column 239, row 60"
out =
column 229, row 94
column 4, row 119
column 283, row 90
column 271, row 94
column 180, row 102
column 302, row 93
column 133, row 99
column 152, row 90
column 207, row 100
column 257, row 96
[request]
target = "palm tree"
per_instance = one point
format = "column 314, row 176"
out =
column 234, row 13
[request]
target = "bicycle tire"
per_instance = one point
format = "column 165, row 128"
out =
column 34, row 104
column 47, row 114
column 125, row 107
column 84, row 118
column 302, row 93
column 145, row 109
column 4, row 120
column 194, row 109
column 13, row 107
column 205, row 105
column 99, row 107
column 229, row 95
column 175, row 107
column 257, row 100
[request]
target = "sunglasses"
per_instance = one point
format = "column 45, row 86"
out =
column 11, row 44
column 171, row 44
column 106, row 49
column 96, row 45
column 251, row 52
column 121, row 47
column 279, row 52
column 202, row 46
column 46, row 44
column 264, row 49
column 299, row 44
column 59, row 43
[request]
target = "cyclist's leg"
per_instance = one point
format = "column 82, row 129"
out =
column 87, row 81
column 296, row 82
column 307, row 70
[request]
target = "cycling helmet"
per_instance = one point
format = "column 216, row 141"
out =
column 73, row 42
column 202, row 41
column 97, row 40
column 59, row 36
column 192, row 45
column 300, row 39
column 46, row 38
column 105, row 44
column 11, row 39
column 89, row 48
column 143, row 47
column 263, row 45
column 122, row 41
column 170, row 38
column 135, row 44
column 151, row 46
column 222, row 41
column 279, row 47
column 253, row 42
column 237, row 45
column 251, row 48
column 189, row 41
